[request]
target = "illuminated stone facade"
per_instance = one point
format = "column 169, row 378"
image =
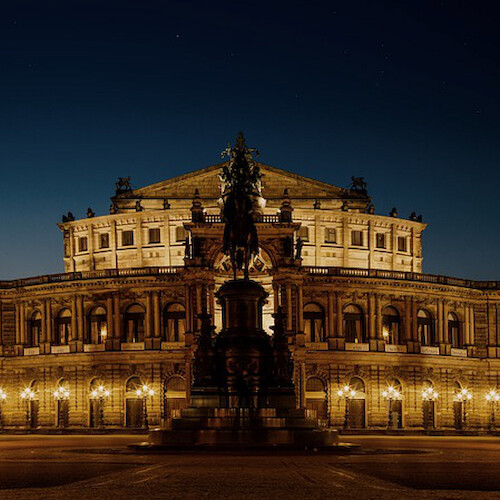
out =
column 359, row 312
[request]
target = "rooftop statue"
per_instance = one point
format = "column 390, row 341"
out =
column 241, row 186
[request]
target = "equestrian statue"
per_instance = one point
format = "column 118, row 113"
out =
column 241, row 187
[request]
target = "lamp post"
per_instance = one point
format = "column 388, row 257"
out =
column 61, row 394
column 143, row 393
column 430, row 395
column 347, row 393
column 493, row 398
column 100, row 395
column 28, row 395
column 3, row 397
column 463, row 396
column 391, row 394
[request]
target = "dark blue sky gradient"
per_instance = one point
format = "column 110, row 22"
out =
column 402, row 93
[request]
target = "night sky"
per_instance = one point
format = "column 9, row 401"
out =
column 404, row 93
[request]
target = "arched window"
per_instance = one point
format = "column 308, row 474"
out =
column 62, row 332
column 314, row 320
column 358, row 386
column 133, row 330
column 174, row 322
column 354, row 324
column 97, row 327
column 391, row 325
column 454, row 332
column 425, row 327
column 34, row 329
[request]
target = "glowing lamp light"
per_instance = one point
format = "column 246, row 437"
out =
column 429, row 394
column 3, row 395
column 391, row 393
column 463, row 395
column 61, row 393
column 100, row 393
column 346, row 392
column 493, row 396
column 27, row 394
column 144, row 392
column 104, row 333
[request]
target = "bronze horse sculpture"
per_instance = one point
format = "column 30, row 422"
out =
column 240, row 182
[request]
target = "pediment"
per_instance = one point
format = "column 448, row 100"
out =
column 206, row 180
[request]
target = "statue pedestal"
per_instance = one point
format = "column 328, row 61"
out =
column 243, row 394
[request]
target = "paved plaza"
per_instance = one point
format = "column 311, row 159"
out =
column 103, row 467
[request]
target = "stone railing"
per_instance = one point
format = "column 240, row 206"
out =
column 401, row 275
column 266, row 219
column 88, row 275
column 312, row 270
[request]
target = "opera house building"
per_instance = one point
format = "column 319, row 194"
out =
column 376, row 343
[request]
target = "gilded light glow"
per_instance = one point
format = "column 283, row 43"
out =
column 27, row 393
column 493, row 396
column 3, row 395
column 391, row 393
column 463, row 395
column 144, row 392
column 61, row 393
column 429, row 394
column 346, row 392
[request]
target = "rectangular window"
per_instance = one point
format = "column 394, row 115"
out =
column 127, row 238
column 380, row 240
column 303, row 233
column 180, row 233
column 330, row 235
column 82, row 244
column 154, row 235
column 357, row 238
column 401, row 244
column 104, row 240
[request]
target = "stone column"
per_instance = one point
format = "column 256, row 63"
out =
column 74, row 338
column 345, row 240
column 139, row 239
column 109, row 318
column 331, row 314
column 90, row 239
column 407, row 319
column 80, row 322
column 113, row 343
column 113, row 243
column 23, row 324
column 166, row 238
column 156, row 315
column 17, row 328
column 148, row 333
column 288, row 291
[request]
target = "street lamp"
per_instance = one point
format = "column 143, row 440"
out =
column 430, row 395
column 347, row 393
column 103, row 334
column 3, row 397
column 391, row 394
column 143, row 393
column 61, row 394
column 28, row 395
column 463, row 396
column 100, row 394
column 493, row 398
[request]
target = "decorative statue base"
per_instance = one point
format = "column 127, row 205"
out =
column 243, row 394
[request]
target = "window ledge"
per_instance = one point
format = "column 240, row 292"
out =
column 317, row 346
column 93, row 347
column 59, row 349
column 132, row 346
column 355, row 346
column 427, row 349
column 31, row 351
column 165, row 346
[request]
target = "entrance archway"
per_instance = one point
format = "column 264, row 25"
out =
column 428, row 405
column 134, row 405
column 357, row 409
